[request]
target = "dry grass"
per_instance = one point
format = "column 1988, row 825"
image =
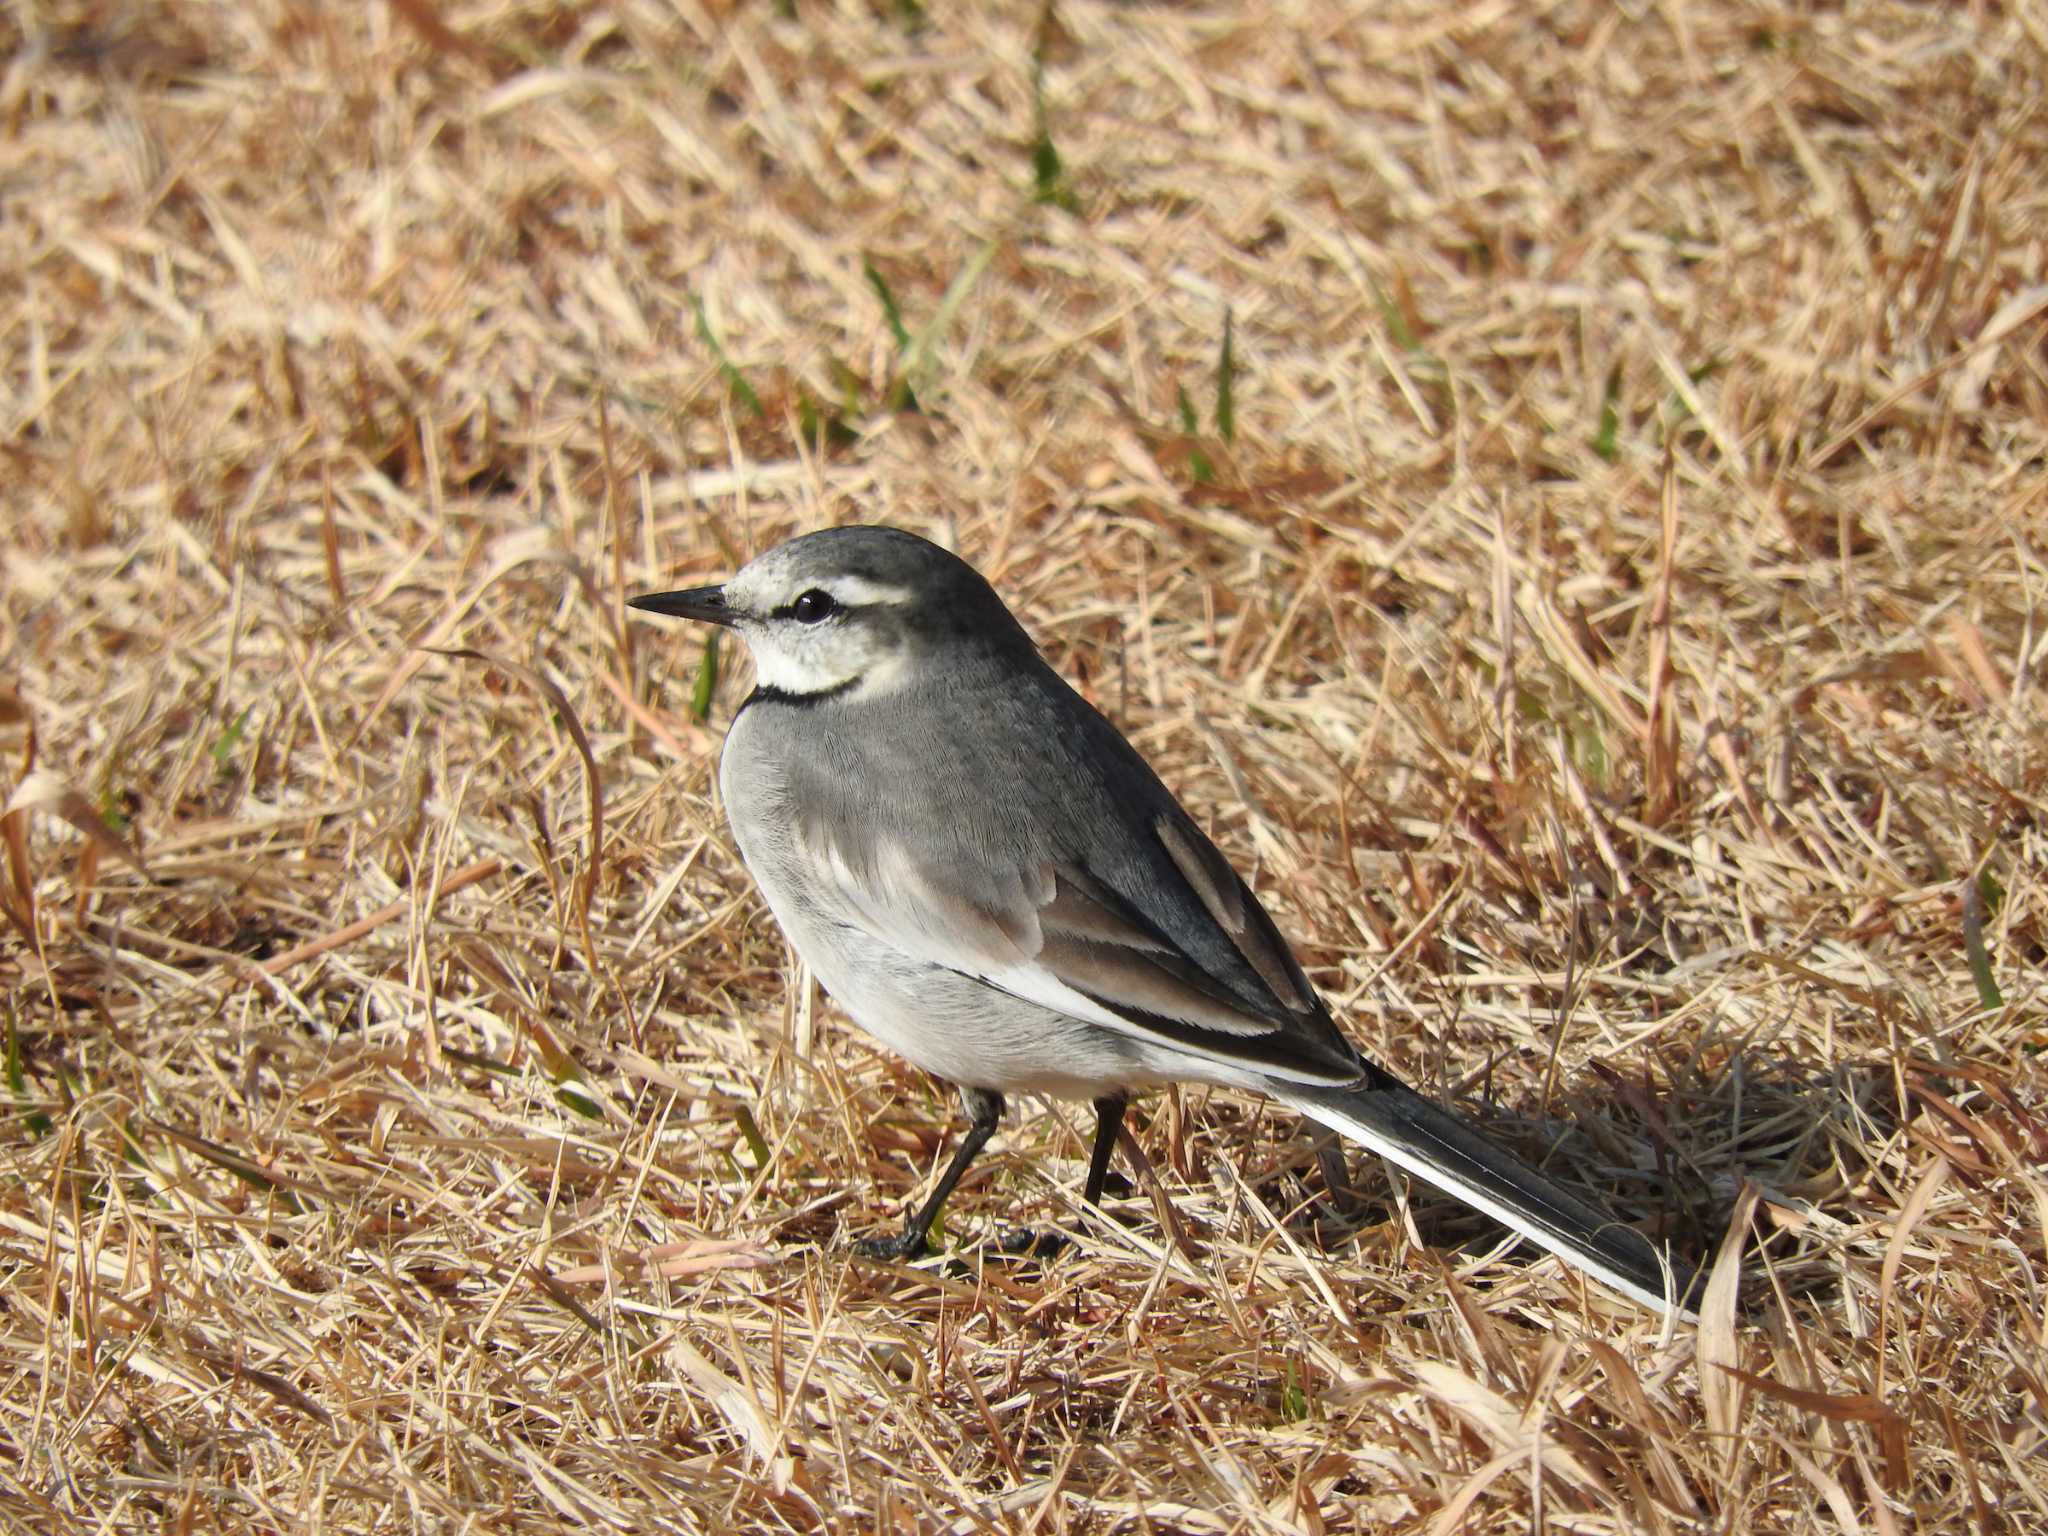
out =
column 1612, row 627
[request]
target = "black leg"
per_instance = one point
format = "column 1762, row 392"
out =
column 984, row 1109
column 1109, row 1118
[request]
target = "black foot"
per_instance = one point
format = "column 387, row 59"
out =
column 1023, row 1243
column 906, row 1245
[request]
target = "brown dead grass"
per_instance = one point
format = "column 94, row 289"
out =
column 388, row 1157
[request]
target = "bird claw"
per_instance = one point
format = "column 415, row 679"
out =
column 910, row 1245
column 1024, row 1243
column 905, row 1246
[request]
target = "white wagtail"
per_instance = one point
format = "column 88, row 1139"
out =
column 992, row 882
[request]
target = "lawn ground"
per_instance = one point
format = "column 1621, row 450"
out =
column 1558, row 489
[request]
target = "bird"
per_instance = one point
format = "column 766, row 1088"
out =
column 993, row 883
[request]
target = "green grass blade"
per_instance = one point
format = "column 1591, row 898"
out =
column 1980, row 896
column 890, row 312
column 734, row 379
column 246, row 1169
column 231, row 738
column 707, row 679
column 1293, row 1399
column 1048, row 178
column 1607, row 441
column 919, row 363
column 549, row 1287
column 480, row 1062
column 1395, row 321
column 750, row 1128
column 1226, row 386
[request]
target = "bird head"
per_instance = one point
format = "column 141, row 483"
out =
column 849, row 610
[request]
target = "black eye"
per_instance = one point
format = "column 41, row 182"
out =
column 813, row 607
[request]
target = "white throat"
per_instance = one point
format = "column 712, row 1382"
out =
column 781, row 670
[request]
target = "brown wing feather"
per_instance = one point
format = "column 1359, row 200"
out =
column 1219, row 889
column 1095, row 943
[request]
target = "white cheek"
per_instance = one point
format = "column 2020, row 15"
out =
column 787, row 671
column 819, row 661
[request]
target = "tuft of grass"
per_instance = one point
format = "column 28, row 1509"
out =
column 832, row 428
column 229, row 742
column 1294, row 1407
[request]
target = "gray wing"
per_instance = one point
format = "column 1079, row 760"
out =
column 1081, row 886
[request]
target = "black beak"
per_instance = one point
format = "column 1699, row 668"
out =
column 705, row 604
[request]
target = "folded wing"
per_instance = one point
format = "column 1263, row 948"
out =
column 1200, row 966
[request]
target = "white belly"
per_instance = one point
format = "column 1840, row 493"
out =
column 951, row 1025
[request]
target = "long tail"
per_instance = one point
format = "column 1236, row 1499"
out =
column 1408, row 1130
